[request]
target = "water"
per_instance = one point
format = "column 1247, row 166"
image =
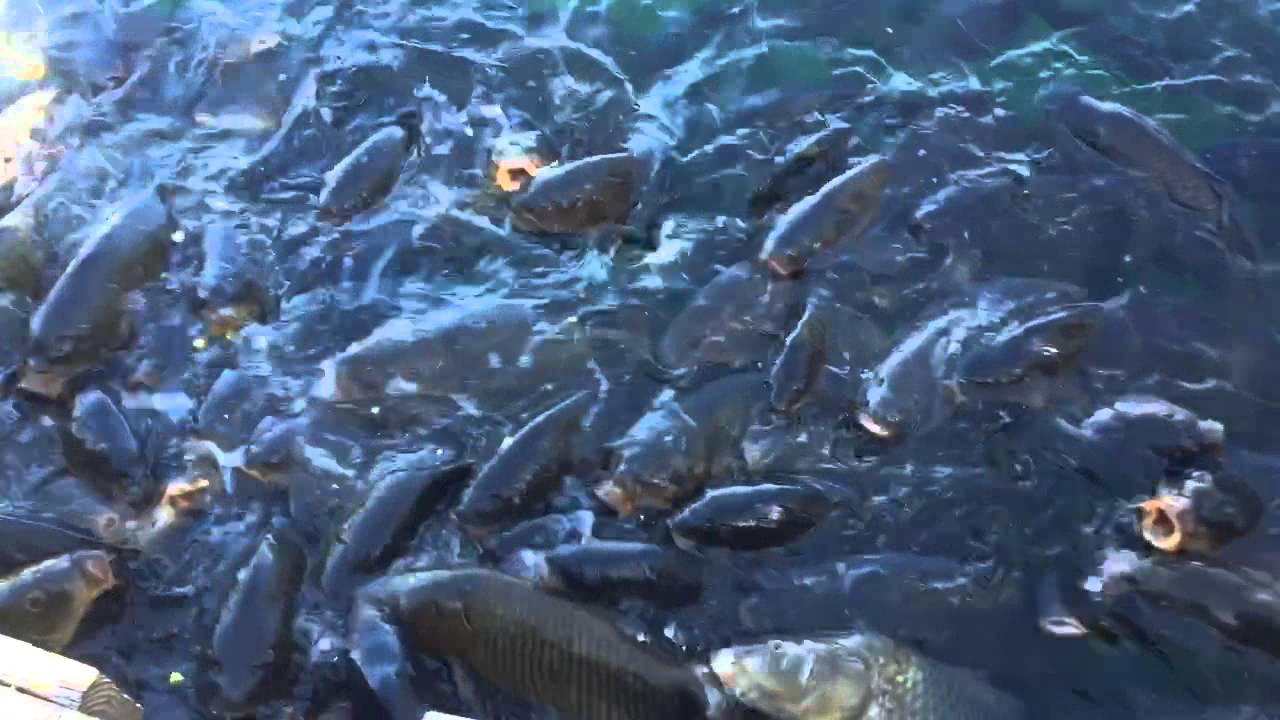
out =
column 939, row 539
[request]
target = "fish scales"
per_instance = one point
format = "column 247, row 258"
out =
column 540, row 647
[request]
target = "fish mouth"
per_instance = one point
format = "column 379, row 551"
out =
column 1166, row 522
column 616, row 496
column 784, row 267
column 883, row 429
column 96, row 567
column 1063, row 626
column 722, row 665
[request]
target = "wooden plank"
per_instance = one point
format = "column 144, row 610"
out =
column 63, row 682
column 15, row 705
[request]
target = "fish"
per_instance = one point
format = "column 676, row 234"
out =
column 15, row 319
column 804, row 168
column 857, row 675
column 100, row 441
column 1137, row 143
column 231, row 290
column 1040, row 345
column 752, row 517
column 842, row 209
column 368, row 173
column 407, row 489
column 798, row 366
column 231, row 409
column 731, row 321
column 22, row 254
column 673, row 449
column 252, row 636
column 44, row 603
column 544, row 533
column 536, row 646
column 30, row 534
column 526, row 471
column 1200, row 512
column 84, row 313
column 577, row 196
column 441, row 351
column 613, row 570
column 904, row 391
column 1239, row 602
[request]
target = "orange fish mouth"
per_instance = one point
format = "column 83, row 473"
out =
column 883, row 430
column 1167, row 522
column 97, row 567
column 784, row 267
column 613, row 494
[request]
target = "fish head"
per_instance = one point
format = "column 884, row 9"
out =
column 882, row 420
column 645, row 479
column 45, row 603
column 1041, row 347
column 1088, row 120
column 800, row 680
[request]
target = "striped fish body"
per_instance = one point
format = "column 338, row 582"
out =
column 543, row 648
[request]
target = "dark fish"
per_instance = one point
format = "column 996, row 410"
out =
column 301, row 128
column 614, row 570
column 904, row 391
column 84, row 313
column 1038, row 347
column 1241, row 603
column 731, row 321
column 274, row 442
column 407, row 490
column 29, row 536
column 799, row 364
column 81, row 504
column 1201, row 512
column 1149, row 422
column 440, row 352
column 752, row 517
column 15, row 318
column 367, row 175
column 22, row 255
column 1136, row 142
column 842, row 209
column 856, row 676
column 231, row 409
column 536, row 646
column 528, row 470
column 544, row 533
column 809, row 162
column 578, row 196
column 1131, row 445
column 673, row 449
column 101, row 443
column 252, row 637
column 44, row 603
column 231, row 290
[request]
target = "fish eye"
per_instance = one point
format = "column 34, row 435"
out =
column 775, row 645
column 35, row 602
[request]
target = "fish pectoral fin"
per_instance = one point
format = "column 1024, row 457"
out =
column 377, row 650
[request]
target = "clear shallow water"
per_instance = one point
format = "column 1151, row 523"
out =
column 243, row 107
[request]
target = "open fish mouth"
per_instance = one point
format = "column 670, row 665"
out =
column 1166, row 522
column 883, row 429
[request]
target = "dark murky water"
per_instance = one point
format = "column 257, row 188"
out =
column 946, row 347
